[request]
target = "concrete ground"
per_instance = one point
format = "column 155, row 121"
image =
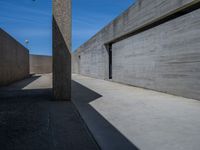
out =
column 119, row 117
column 123, row 117
column 31, row 120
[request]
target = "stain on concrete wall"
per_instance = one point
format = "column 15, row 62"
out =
column 143, row 59
column 40, row 64
column 14, row 59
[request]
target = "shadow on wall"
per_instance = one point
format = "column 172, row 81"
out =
column 14, row 59
column 61, row 64
column 107, row 136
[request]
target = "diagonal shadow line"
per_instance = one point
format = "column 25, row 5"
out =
column 61, row 64
column 19, row 85
column 36, row 122
column 106, row 135
column 58, row 38
column 15, row 90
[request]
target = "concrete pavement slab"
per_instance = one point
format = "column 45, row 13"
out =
column 126, row 117
column 31, row 120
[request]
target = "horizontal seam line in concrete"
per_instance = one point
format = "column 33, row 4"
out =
column 192, row 6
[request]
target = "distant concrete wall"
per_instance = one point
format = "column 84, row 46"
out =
column 149, row 49
column 14, row 59
column 40, row 64
column 75, row 64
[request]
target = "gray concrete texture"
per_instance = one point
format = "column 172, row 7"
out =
column 165, row 57
column 61, row 49
column 124, row 117
column 40, row 64
column 30, row 120
column 14, row 59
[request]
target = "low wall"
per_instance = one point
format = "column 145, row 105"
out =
column 40, row 64
column 154, row 45
column 14, row 59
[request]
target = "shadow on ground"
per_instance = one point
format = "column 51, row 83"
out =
column 32, row 120
column 19, row 85
column 107, row 136
column 15, row 90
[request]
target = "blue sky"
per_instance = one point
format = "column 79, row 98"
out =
column 25, row 19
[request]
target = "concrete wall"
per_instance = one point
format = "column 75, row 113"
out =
column 61, row 49
column 40, row 64
column 14, row 59
column 151, row 48
column 165, row 58
column 75, row 64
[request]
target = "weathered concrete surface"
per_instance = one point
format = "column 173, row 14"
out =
column 164, row 58
column 94, row 56
column 30, row 120
column 75, row 63
column 125, row 117
column 40, row 64
column 61, row 49
column 14, row 59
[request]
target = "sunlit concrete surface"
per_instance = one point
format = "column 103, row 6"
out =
column 120, row 117
column 126, row 117
column 44, row 81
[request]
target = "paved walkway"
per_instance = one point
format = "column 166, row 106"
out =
column 31, row 120
column 124, row 117
column 119, row 117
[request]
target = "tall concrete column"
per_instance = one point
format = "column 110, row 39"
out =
column 61, row 49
